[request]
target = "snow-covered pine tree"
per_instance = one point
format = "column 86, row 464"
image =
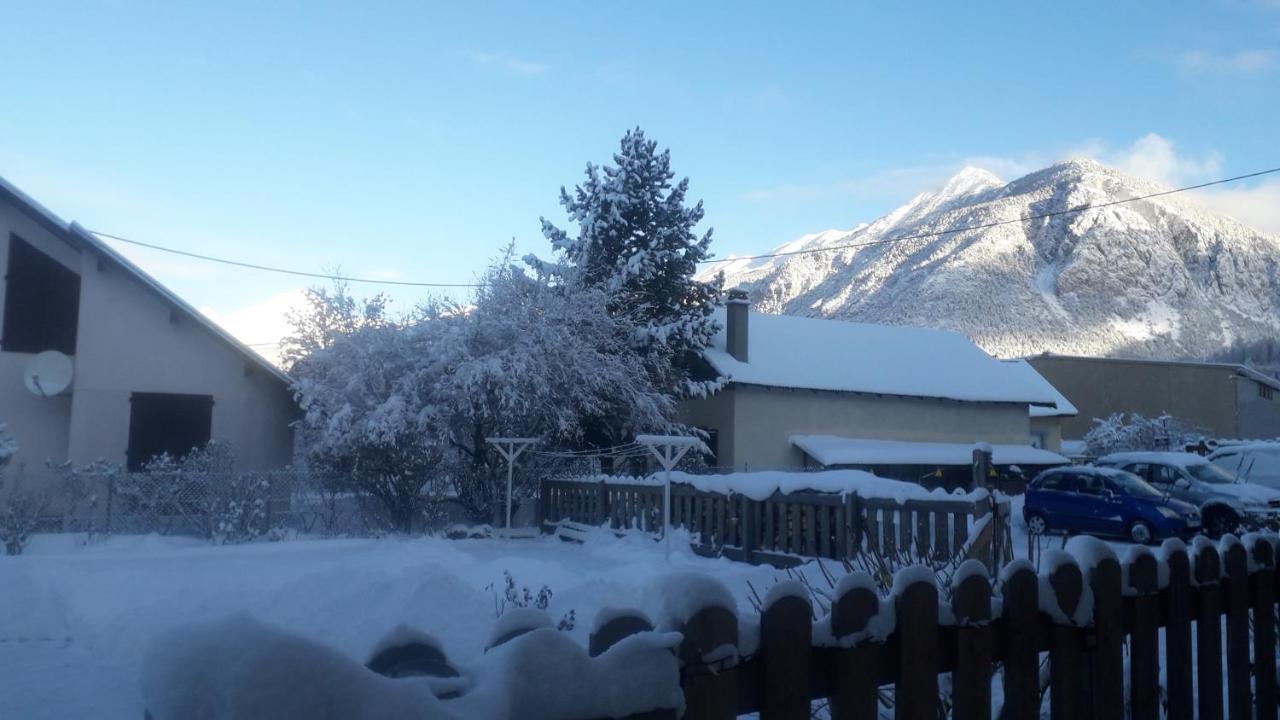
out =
column 636, row 242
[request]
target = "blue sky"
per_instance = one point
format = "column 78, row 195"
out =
column 411, row 141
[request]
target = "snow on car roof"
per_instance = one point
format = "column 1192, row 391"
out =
column 1168, row 458
column 818, row 354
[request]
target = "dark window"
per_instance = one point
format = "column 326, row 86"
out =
column 1142, row 470
column 1162, row 475
column 41, row 302
column 1266, row 392
column 163, row 423
column 1092, row 485
column 1062, row 482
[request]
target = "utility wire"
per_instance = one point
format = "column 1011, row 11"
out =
column 762, row 256
column 286, row 271
column 996, row 223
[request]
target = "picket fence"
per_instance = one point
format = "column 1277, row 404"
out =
column 1086, row 628
column 783, row 527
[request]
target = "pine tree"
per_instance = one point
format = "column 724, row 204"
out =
column 636, row 242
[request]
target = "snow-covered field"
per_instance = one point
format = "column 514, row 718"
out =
column 75, row 620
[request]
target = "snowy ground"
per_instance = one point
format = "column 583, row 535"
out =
column 75, row 620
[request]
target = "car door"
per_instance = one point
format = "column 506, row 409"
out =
column 1056, row 498
column 1103, row 506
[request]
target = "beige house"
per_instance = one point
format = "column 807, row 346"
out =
column 100, row 361
column 1227, row 401
column 806, row 393
column 1046, row 420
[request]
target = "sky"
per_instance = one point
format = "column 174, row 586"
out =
column 412, row 141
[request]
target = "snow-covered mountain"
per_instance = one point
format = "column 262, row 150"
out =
column 1152, row 278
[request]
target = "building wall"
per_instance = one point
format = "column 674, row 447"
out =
column 1051, row 429
column 1200, row 394
column 715, row 412
column 130, row 340
column 1259, row 415
column 764, row 419
column 40, row 425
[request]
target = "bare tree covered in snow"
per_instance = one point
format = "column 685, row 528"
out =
column 1138, row 433
column 636, row 243
column 403, row 407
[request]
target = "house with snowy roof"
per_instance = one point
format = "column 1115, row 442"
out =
column 904, row 402
column 98, row 360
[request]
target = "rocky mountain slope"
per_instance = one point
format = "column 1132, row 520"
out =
column 1159, row 277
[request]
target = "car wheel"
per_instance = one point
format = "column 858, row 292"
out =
column 1219, row 523
column 1141, row 533
column 1036, row 524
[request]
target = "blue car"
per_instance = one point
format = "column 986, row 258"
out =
column 1105, row 501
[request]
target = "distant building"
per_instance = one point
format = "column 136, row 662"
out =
column 905, row 402
column 1227, row 401
column 147, row 373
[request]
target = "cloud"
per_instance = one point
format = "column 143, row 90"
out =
column 260, row 324
column 1241, row 62
column 509, row 63
column 1153, row 157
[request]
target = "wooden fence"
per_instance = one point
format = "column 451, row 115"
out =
column 1102, row 650
column 779, row 528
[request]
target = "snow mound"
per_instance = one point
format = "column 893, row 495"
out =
column 236, row 668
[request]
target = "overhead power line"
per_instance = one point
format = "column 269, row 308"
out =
column 996, row 223
column 285, row 271
column 762, row 256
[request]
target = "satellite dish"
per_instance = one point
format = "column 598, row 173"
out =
column 48, row 373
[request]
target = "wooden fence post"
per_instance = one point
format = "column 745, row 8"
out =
column 856, row 691
column 748, row 529
column 1239, row 694
column 1144, row 648
column 1208, row 573
column 613, row 626
column 785, row 652
column 602, row 505
column 1020, row 631
column 1066, row 650
column 915, row 695
column 1264, row 629
column 1106, row 684
column 710, row 688
column 1177, row 633
column 971, row 688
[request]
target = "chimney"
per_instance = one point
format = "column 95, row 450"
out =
column 736, row 311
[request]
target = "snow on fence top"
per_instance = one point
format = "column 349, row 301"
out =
column 795, row 352
column 831, row 450
column 765, row 484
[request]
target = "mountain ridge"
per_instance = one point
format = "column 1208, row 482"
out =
column 1156, row 277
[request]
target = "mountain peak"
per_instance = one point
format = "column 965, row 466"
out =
column 970, row 180
column 1155, row 280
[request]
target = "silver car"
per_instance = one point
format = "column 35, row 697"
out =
column 1254, row 462
column 1226, row 503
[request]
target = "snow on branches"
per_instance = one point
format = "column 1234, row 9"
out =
column 1138, row 433
column 636, row 243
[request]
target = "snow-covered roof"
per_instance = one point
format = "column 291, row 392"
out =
column 75, row 235
column 1062, row 407
column 787, row 351
column 831, row 450
column 1178, row 459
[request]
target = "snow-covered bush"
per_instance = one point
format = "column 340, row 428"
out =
column 8, row 446
column 1138, row 433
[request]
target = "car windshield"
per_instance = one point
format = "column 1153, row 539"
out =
column 1211, row 474
column 1134, row 485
